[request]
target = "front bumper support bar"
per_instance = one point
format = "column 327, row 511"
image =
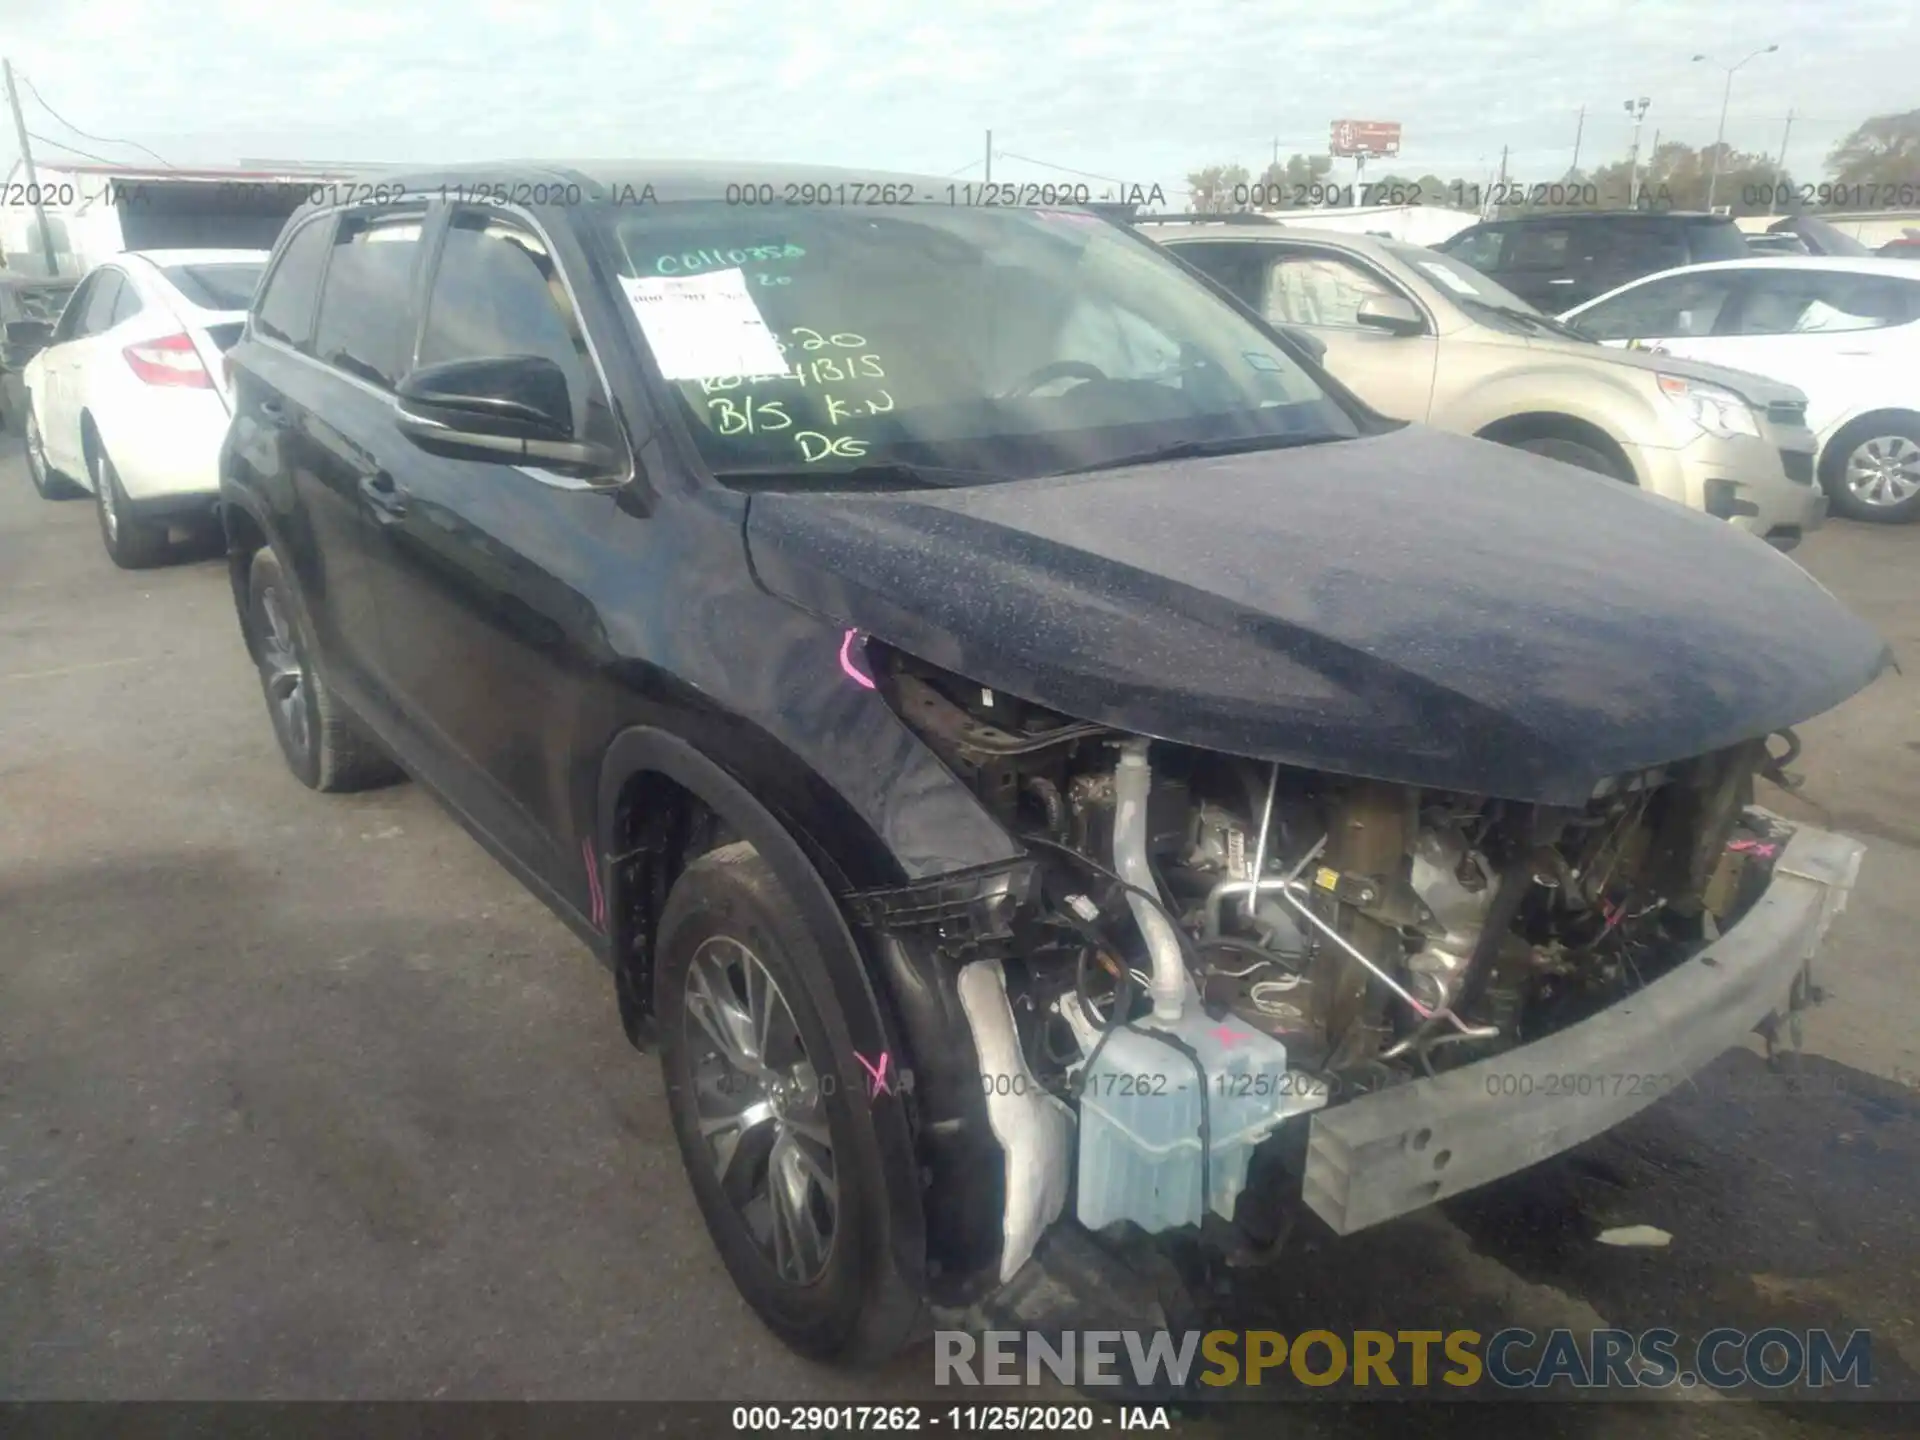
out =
column 1385, row 1154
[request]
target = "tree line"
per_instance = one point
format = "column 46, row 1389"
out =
column 1883, row 152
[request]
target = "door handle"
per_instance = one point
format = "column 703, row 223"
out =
column 387, row 500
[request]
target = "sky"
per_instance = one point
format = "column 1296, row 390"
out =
column 1122, row 90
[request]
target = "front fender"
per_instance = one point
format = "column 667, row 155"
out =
column 869, row 1029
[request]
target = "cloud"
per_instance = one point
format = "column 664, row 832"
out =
column 1141, row 91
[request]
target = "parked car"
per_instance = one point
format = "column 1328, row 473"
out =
column 1902, row 247
column 1419, row 336
column 24, row 298
column 1561, row 258
column 126, row 397
column 1847, row 332
column 1815, row 236
column 1013, row 726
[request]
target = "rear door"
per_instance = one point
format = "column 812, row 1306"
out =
column 1830, row 332
column 311, row 401
column 88, row 317
column 363, row 337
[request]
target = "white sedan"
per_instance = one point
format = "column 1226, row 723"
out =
column 129, row 400
column 1846, row 331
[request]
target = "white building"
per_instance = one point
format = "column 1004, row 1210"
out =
column 94, row 211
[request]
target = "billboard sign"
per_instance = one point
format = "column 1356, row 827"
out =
column 1366, row 137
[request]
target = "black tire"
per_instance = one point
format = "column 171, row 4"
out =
column 1890, row 443
column 1570, row 452
column 131, row 543
column 324, row 745
column 48, row 484
column 855, row 1310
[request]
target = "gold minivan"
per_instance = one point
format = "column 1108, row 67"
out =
column 1422, row 337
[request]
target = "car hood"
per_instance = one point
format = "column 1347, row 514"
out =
column 1756, row 390
column 1415, row 607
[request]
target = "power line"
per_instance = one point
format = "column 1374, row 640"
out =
column 27, row 80
column 75, row 149
column 1065, row 169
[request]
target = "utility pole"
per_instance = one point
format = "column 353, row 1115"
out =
column 989, row 157
column 1780, row 170
column 1637, row 109
column 1579, row 129
column 26, row 162
column 1499, row 188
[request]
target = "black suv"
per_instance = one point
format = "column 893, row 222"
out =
column 1020, row 736
column 1564, row 259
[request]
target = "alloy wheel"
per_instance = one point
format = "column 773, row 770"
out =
column 757, row 1097
column 284, row 674
column 1884, row 470
column 103, row 491
column 36, row 454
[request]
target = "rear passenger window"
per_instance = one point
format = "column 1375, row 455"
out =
column 286, row 306
column 101, row 298
column 499, row 292
column 1539, row 247
column 366, row 316
column 126, row 306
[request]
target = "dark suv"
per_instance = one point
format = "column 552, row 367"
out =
column 1559, row 260
column 1021, row 737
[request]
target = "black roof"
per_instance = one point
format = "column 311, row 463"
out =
column 628, row 180
column 1560, row 217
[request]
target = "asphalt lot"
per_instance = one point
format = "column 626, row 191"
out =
column 303, row 1097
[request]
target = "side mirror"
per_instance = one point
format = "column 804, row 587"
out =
column 1394, row 314
column 25, row 339
column 510, row 409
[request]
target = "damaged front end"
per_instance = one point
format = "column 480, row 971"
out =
column 1208, row 968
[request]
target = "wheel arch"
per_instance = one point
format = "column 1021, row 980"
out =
column 658, row 792
column 1831, row 451
column 1557, row 425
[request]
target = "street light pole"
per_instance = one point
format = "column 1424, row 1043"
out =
column 1637, row 109
column 1726, row 95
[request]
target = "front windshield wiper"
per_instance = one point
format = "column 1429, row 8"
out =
column 887, row 475
column 1534, row 318
column 1201, row 449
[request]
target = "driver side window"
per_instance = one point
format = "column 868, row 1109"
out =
column 1678, row 307
column 1318, row 290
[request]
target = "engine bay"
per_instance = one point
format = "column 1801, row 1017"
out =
column 1231, row 930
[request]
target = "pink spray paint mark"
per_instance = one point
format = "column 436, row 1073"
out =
column 597, row 898
column 1754, row 847
column 853, row 671
column 876, row 1074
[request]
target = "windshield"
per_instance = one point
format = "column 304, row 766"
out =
column 1002, row 341
column 1455, row 278
column 225, row 286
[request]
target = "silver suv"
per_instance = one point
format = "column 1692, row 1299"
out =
column 1420, row 336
